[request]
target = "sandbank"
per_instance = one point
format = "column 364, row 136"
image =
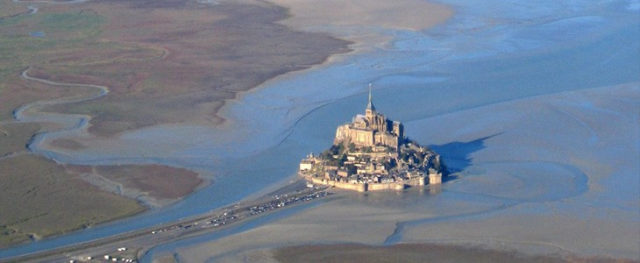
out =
column 366, row 23
column 402, row 14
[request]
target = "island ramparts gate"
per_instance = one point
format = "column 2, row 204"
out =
column 372, row 154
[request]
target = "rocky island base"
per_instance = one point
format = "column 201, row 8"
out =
column 371, row 154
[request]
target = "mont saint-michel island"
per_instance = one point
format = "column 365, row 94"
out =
column 372, row 154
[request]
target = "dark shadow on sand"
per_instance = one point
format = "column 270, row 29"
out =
column 456, row 156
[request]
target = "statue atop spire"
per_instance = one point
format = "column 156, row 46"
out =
column 370, row 106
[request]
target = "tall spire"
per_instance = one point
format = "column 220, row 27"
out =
column 370, row 103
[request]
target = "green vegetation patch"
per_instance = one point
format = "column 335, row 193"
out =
column 65, row 30
column 81, row 23
column 38, row 198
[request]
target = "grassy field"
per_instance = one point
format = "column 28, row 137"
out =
column 51, row 201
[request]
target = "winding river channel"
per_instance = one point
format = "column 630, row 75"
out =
column 31, row 112
column 489, row 90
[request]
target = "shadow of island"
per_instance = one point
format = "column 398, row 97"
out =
column 456, row 156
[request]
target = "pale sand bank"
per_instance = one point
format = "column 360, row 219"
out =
column 361, row 21
column 399, row 14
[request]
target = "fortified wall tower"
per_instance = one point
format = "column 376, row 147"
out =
column 371, row 129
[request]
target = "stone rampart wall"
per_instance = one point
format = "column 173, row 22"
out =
column 341, row 185
column 386, row 186
column 367, row 186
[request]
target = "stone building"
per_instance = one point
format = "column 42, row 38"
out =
column 371, row 129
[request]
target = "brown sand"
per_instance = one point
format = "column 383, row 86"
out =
column 413, row 253
column 360, row 21
column 399, row 14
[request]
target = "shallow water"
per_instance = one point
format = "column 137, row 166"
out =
column 489, row 53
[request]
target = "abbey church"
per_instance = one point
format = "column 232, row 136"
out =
column 371, row 129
